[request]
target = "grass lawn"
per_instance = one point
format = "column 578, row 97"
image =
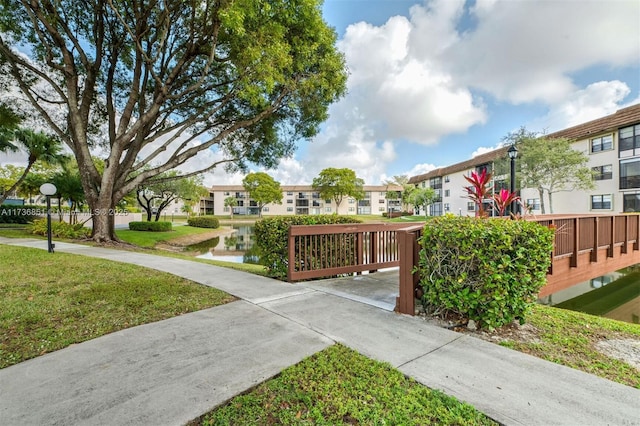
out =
column 340, row 386
column 48, row 302
column 150, row 239
column 570, row 338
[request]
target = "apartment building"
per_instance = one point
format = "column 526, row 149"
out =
column 300, row 200
column 612, row 144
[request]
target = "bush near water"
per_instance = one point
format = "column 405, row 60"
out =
column 159, row 226
column 203, row 222
column 486, row 270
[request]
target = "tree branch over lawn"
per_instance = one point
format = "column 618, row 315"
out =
column 147, row 86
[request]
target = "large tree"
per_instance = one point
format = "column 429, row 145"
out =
column 148, row 85
column 262, row 189
column 336, row 184
column 550, row 165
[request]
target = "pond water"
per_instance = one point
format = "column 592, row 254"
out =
column 236, row 247
column 615, row 295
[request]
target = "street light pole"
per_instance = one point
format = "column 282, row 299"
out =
column 513, row 153
column 48, row 189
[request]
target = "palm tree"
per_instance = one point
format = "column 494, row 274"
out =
column 230, row 202
column 9, row 121
column 39, row 146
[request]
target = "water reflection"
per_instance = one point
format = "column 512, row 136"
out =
column 237, row 247
column 615, row 295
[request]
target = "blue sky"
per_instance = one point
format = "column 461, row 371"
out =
column 434, row 82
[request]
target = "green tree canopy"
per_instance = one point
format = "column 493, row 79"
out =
column 157, row 194
column 336, row 184
column 230, row 202
column 262, row 189
column 154, row 84
column 422, row 197
column 550, row 165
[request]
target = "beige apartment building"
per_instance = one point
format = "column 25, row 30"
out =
column 612, row 144
column 300, row 200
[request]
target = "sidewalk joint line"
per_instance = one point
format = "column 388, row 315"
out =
column 430, row 352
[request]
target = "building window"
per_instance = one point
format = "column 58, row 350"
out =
column 226, row 209
column 226, row 194
column 471, row 206
column 446, row 178
column 601, row 202
column 352, row 209
column 604, row 143
column 381, row 201
column 265, row 209
column 289, row 193
column 447, row 192
column 629, row 137
column 327, row 201
column 603, row 172
column 381, row 209
column 289, row 209
column 327, row 209
column 240, row 203
column 352, row 201
column 533, row 203
column 630, row 174
column 631, row 203
column 447, row 207
column 424, row 184
column 289, row 201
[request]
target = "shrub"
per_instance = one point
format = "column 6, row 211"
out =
column 20, row 214
column 203, row 222
column 487, row 270
column 272, row 238
column 150, row 226
column 59, row 229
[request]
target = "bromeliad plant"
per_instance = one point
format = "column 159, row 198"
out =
column 504, row 199
column 480, row 191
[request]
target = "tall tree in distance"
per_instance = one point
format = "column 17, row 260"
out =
column 262, row 189
column 335, row 184
column 230, row 203
column 147, row 86
column 423, row 197
column 157, row 194
column 550, row 165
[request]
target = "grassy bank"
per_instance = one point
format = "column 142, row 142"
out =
column 48, row 302
column 573, row 339
column 340, row 386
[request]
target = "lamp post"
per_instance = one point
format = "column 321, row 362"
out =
column 513, row 153
column 48, row 189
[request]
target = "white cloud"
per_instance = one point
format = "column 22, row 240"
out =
column 594, row 101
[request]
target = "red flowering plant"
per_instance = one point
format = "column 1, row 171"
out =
column 504, row 199
column 479, row 190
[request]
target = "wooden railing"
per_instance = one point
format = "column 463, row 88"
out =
column 317, row 251
column 585, row 247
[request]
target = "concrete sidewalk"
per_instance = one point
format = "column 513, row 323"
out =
column 175, row 370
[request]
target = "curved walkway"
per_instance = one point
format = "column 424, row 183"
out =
column 172, row 371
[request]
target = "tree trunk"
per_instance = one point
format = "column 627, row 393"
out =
column 103, row 220
column 550, row 203
column 541, row 195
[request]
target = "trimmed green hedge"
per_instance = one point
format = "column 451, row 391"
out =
column 203, row 222
column 272, row 238
column 59, row 229
column 487, row 270
column 150, row 226
column 20, row 214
